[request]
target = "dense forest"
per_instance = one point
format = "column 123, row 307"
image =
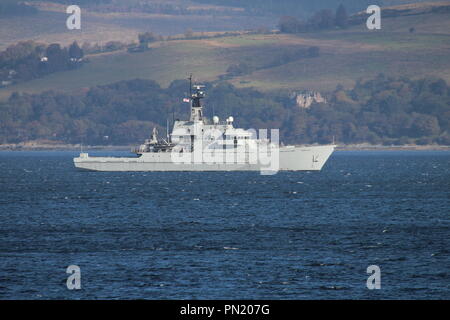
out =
column 380, row 111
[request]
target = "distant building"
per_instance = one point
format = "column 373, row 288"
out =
column 305, row 99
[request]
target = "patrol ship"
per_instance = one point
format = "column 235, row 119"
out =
column 203, row 145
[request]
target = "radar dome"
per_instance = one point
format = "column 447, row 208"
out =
column 215, row 119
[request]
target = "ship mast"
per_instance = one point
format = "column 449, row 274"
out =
column 196, row 96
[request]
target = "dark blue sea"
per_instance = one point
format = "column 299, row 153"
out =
column 294, row 235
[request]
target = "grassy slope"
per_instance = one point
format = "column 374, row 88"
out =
column 392, row 50
column 345, row 57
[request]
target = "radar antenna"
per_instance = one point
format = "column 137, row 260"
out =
column 196, row 95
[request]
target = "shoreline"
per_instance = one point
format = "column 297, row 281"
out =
column 392, row 148
column 77, row 147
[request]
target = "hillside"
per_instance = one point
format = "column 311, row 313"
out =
column 100, row 24
column 117, row 20
column 357, row 53
column 302, row 8
column 345, row 56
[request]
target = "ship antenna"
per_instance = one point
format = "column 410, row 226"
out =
column 167, row 130
column 173, row 116
column 190, row 86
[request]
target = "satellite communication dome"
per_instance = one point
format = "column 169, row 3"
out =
column 215, row 119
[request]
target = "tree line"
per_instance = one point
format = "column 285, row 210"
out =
column 298, row 8
column 321, row 20
column 29, row 60
column 383, row 110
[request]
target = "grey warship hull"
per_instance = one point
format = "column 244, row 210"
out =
column 308, row 158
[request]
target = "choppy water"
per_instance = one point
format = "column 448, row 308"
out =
column 227, row 235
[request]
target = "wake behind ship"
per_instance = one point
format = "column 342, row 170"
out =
column 203, row 145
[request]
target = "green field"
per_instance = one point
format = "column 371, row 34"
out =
column 345, row 57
